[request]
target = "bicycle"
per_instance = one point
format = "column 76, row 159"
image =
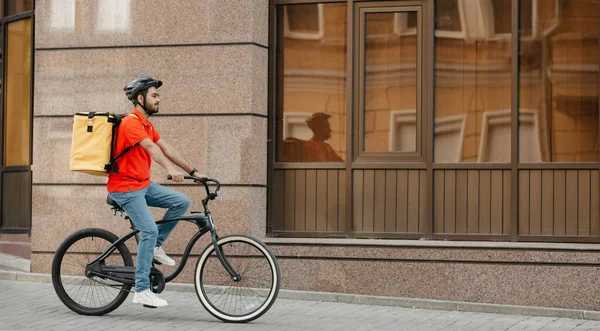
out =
column 236, row 277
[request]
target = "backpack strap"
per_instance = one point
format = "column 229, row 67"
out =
column 112, row 166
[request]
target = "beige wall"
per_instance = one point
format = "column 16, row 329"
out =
column 212, row 60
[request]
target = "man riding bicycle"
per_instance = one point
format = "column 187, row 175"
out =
column 129, row 183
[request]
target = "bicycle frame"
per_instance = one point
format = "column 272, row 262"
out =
column 204, row 223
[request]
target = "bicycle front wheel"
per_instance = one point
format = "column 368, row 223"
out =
column 250, row 297
column 89, row 295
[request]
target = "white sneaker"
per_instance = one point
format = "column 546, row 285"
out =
column 149, row 298
column 161, row 256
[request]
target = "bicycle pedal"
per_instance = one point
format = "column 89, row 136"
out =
column 156, row 262
column 148, row 306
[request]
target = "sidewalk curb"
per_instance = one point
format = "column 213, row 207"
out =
column 372, row 300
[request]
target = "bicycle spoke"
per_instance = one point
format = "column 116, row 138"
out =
column 245, row 296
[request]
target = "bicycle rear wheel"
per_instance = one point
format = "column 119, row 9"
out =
column 80, row 293
column 250, row 297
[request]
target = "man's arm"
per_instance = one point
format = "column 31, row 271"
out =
column 158, row 156
column 173, row 155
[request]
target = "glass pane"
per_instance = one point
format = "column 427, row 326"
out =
column 502, row 15
column 311, row 85
column 473, row 83
column 18, row 6
column 17, row 121
column 390, row 119
column 448, row 15
column 558, row 101
column 303, row 18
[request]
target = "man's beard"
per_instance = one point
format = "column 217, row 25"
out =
column 151, row 109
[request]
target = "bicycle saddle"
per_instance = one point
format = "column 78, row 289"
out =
column 112, row 202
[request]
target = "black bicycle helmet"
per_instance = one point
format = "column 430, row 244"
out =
column 140, row 85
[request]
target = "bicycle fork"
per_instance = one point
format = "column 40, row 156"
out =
column 222, row 258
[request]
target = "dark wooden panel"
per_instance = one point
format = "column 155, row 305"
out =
column 571, row 202
column 595, row 203
column 413, row 200
column 390, row 200
column 16, row 200
column 368, row 203
column 496, row 213
column 423, row 206
column 290, row 201
column 279, row 200
column 379, row 202
column 331, row 201
column 323, row 196
column 484, row 201
column 524, row 202
column 450, row 201
column 461, row 201
column 473, row 201
column 560, row 199
column 342, row 187
column 438, row 201
column 300, row 201
column 357, row 202
column 402, row 201
column 583, row 210
column 547, row 202
column 535, row 202
column 311, row 200
column 507, row 201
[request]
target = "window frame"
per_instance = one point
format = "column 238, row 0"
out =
column 358, row 152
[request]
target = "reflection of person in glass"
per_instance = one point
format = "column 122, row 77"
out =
column 316, row 149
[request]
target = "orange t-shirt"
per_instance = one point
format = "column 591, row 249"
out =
column 319, row 151
column 134, row 166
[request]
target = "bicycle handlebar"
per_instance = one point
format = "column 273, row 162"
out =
column 205, row 181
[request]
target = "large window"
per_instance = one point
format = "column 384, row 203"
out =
column 473, row 81
column 509, row 149
column 16, row 39
column 559, row 81
column 312, row 83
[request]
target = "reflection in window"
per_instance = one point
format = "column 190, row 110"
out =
column 311, row 81
column 559, row 80
column 390, row 85
column 303, row 21
column 113, row 15
column 18, row 6
column 406, row 24
column 17, row 105
column 62, row 14
column 472, row 79
column 449, row 19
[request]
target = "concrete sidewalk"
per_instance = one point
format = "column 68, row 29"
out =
column 35, row 306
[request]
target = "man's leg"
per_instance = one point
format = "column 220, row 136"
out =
column 134, row 204
column 163, row 197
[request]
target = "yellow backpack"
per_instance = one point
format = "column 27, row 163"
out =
column 92, row 144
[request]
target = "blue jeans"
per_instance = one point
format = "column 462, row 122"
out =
column 136, row 205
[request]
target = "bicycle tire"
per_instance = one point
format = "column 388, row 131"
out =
column 66, row 261
column 247, row 250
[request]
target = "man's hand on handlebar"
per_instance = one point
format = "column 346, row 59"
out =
column 176, row 176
